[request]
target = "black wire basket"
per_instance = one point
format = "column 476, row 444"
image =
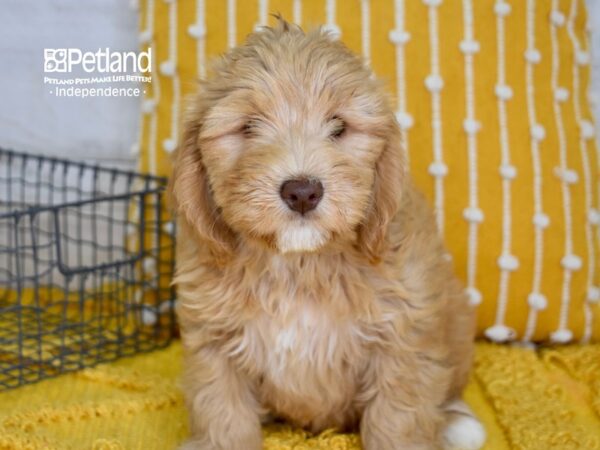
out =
column 86, row 260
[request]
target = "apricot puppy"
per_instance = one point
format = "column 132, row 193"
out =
column 312, row 282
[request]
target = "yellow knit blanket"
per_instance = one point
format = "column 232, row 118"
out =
column 543, row 400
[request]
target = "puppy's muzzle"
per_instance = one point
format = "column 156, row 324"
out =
column 302, row 195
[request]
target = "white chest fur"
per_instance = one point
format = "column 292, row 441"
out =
column 302, row 347
column 306, row 340
column 310, row 362
column 302, row 337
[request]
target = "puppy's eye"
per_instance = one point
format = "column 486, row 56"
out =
column 339, row 127
column 249, row 129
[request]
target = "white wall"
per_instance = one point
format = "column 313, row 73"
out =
column 33, row 120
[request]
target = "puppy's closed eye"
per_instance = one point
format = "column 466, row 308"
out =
column 249, row 128
column 339, row 127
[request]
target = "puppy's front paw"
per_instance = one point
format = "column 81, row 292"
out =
column 464, row 433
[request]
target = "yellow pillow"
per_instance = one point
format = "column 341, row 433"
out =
column 492, row 95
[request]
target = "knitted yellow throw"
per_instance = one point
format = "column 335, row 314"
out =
column 549, row 399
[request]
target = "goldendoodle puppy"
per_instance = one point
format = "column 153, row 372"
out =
column 312, row 282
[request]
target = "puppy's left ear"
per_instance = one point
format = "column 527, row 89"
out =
column 191, row 193
column 387, row 193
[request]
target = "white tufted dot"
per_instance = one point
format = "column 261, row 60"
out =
column 399, row 37
column 472, row 214
column 149, row 264
column 537, row 301
column 500, row 333
column 259, row 28
column 197, row 31
column 538, row 132
column 438, row 169
column 434, row 83
column 533, row 55
column 571, row 262
column 469, row 46
column 149, row 317
column 593, row 294
column 135, row 149
column 587, row 129
column 167, row 68
column 148, row 106
column 561, row 336
column 561, row 94
column 471, row 126
column 144, row 37
column 474, row 296
column 557, row 18
column 169, row 227
column 502, row 8
column 503, row 91
column 166, row 306
column 333, row 30
column 405, row 120
column 594, row 216
column 582, row 57
column 464, row 432
column 169, row 145
column 541, row 220
column 508, row 171
column 508, row 262
column 432, row 2
column 569, row 176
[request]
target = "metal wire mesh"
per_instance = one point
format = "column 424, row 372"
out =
column 86, row 258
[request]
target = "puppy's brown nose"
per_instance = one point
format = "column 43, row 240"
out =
column 302, row 195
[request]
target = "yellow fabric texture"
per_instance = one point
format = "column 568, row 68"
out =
column 187, row 32
column 527, row 400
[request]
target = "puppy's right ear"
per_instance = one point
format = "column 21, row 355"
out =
column 190, row 191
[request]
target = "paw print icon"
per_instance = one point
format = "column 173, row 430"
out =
column 55, row 60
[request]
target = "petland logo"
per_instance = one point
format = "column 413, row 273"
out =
column 65, row 60
column 111, row 74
